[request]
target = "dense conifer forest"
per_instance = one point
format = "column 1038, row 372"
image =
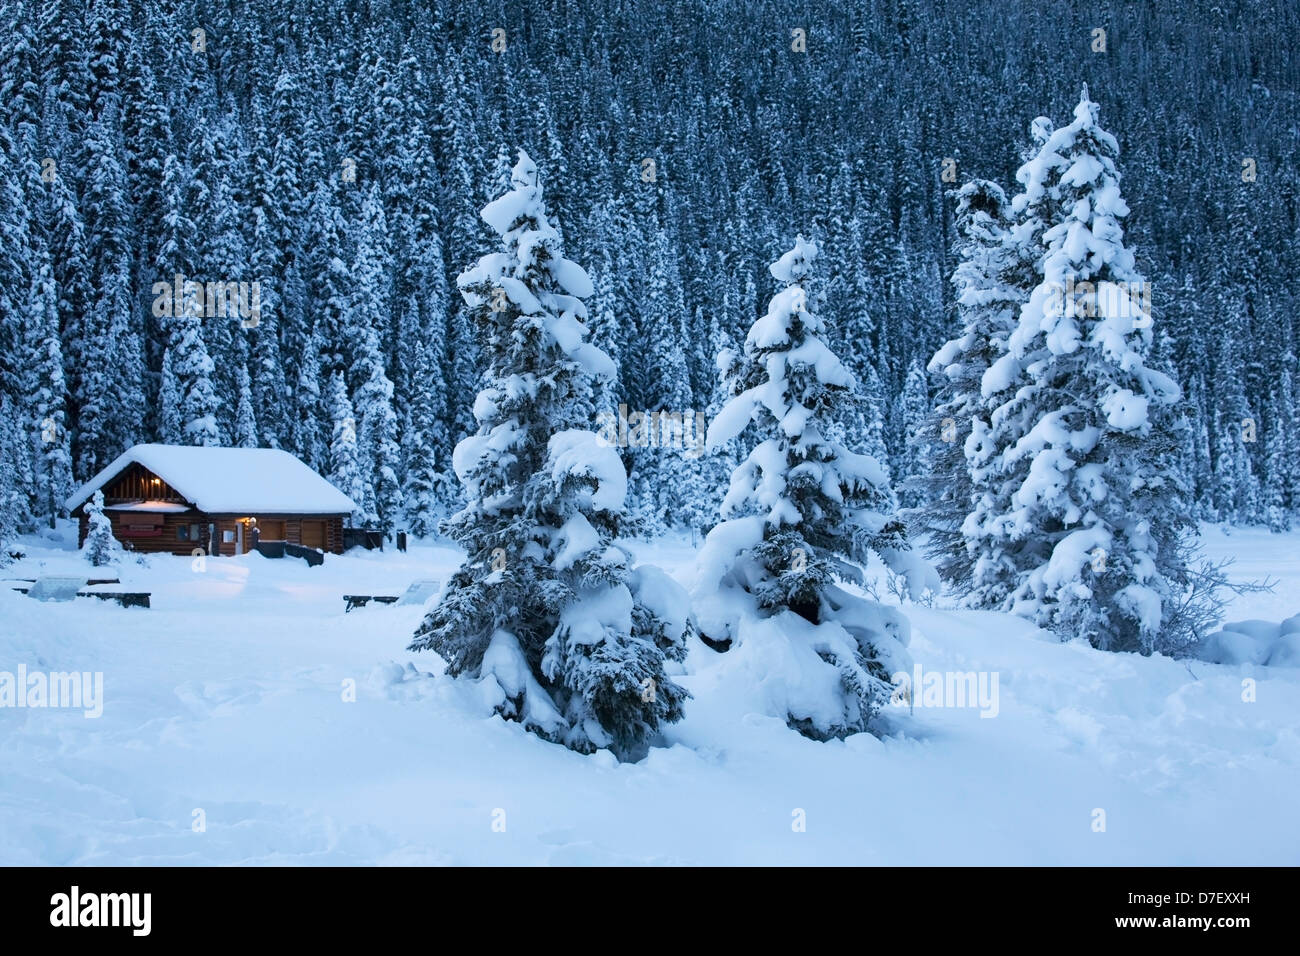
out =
column 333, row 157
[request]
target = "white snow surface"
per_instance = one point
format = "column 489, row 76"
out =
column 229, row 696
column 230, row 480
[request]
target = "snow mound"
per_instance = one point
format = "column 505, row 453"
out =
column 815, row 676
column 1254, row 642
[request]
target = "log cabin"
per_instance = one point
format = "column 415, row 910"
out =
column 178, row 499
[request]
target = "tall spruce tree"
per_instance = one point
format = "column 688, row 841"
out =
column 13, row 508
column 425, row 486
column 986, row 307
column 545, row 603
column 1084, row 531
column 46, row 397
column 344, row 468
column 365, row 327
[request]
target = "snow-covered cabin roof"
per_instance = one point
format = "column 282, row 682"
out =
column 229, row 480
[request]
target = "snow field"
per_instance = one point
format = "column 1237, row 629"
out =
column 228, row 696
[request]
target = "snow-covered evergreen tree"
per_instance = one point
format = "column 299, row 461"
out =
column 101, row 547
column 365, row 327
column 1273, row 491
column 425, row 488
column 245, row 434
column 344, row 468
column 47, row 396
column 272, row 264
column 913, row 413
column 306, row 432
column 193, row 369
column 105, row 351
column 12, row 505
column 802, row 512
column 169, row 403
column 1084, row 530
column 377, row 449
column 873, row 403
column 986, row 307
column 545, row 604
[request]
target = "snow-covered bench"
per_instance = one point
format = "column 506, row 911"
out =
column 418, row 593
column 56, row 588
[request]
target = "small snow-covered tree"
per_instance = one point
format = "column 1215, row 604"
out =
column 545, row 605
column 101, row 547
column 801, row 512
column 1083, row 531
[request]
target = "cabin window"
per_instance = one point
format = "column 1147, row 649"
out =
column 183, row 532
column 189, row 532
column 227, row 537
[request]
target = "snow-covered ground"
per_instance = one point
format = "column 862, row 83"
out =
column 227, row 703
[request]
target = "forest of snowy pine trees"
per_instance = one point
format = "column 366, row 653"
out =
column 337, row 154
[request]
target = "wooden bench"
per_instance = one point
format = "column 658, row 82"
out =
column 361, row 600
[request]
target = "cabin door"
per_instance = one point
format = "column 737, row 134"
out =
column 239, row 537
column 313, row 534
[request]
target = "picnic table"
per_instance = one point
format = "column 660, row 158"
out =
column 418, row 593
column 64, row 588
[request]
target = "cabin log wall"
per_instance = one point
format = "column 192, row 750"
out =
column 170, row 542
